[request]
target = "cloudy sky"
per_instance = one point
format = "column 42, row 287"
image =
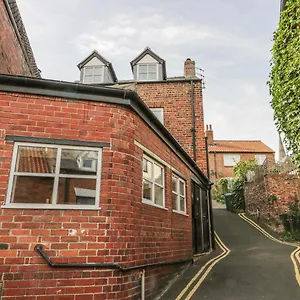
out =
column 229, row 39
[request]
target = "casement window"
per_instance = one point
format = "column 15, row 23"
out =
column 153, row 182
column 93, row 74
column 231, row 160
column 260, row 159
column 54, row 176
column 159, row 114
column 178, row 194
column 147, row 72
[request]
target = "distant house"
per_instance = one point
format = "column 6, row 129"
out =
column 16, row 56
column 225, row 154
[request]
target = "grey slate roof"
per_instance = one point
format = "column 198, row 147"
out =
column 17, row 22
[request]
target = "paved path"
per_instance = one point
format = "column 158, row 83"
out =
column 256, row 268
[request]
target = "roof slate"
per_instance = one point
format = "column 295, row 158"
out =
column 239, row 147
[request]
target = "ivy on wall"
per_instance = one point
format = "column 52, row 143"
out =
column 284, row 80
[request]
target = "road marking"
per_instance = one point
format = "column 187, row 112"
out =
column 211, row 264
column 295, row 255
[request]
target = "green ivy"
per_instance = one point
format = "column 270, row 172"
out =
column 284, row 80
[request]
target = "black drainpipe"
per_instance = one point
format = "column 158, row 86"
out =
column 212, row 229
column 39, row 249
column 193, row 130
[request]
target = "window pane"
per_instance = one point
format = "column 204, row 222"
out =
column 174, row 201
column 36, row 160
column 76, row 191
column 143, row 76
column 88, row 79
column 158, row 174
column 147, row 189
column 147, row 169
column 142, row 68
column 88, row 71
column 182, row 203
column 158, row 195
column 72, row 162
column 152, row 76
column 97, row 78
column 181, row 188
column 174, row 184
column 28, row 189
column 152, row 68
column 98, row 71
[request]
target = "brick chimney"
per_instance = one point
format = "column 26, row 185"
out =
column 189, row 68
column 210, row 135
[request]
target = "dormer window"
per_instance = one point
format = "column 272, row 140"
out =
column 93, row 74
column 148, row 66
column 147, row 71
column 96, row 69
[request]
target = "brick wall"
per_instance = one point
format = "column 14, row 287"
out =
column 216, row 163
column 12, row 59
column 124, row 231
column 259, row 194
column 175, row 99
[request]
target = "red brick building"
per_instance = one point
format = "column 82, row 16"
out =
column 225, row 154
column 16, row 56
column 130, row 211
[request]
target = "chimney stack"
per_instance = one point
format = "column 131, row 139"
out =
column 210, row 135
column 189, row 68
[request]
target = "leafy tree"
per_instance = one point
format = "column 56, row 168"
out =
column 241, row 169
column 284, row 80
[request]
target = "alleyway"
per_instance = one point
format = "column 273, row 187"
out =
column 256, row 267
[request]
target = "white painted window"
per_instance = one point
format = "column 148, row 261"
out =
column 147, row 72
column 153, row 182
column 231, row 160
column 159, row 114
column 178, row 194
column 93, row 74
column 260, row 159
column 54, row 176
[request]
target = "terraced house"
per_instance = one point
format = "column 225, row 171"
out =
column 102, row 194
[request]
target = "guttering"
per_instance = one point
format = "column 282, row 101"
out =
column 39, row 249
column 77, row 91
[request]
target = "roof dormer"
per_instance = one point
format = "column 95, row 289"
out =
column 96, row 69
column 148, row 66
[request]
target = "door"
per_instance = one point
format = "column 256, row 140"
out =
column 200, row 219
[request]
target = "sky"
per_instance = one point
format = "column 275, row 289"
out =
column 230, row 39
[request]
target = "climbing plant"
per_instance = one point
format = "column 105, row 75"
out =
column 284, row 82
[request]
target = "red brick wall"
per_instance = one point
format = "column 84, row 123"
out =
column 175, row 99
column 12, row 59
column 283, row 188
column 124, row 231
column 216, row 163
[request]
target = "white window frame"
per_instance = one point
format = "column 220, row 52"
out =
column 56, row 177
column 147, row 65
column 178, row 195
column 152, row 181
column 93, row 68
column 230, row 160
column 259, row 160
column 159, row 111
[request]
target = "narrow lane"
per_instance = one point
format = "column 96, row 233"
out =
column 257, row 268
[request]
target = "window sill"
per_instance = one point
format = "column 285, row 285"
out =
column 48, row 207
column 180, row 213
column 152, row 204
